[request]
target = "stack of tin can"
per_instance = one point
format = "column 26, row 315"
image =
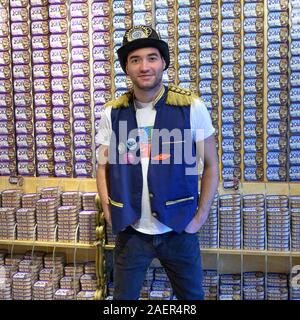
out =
column 230, row 221
column 254, row 222
column 230, row 287
column 22, row 85
column 253, row 286
column 5, row 287
column 294, row 139
column 276, row 156
column 87, row 226
column 29, row 200
column 121, row 21
column 8, row 164
column 187, row 45
column 165, row 25
column 7, row 222
column 67, row 221
column 209, row 57
column 253, row 90
column 25, row 223
column 278, row 223
column 210, row 284
column 142, row 12
column 41, row 72
column 277, row 286
column 55, row 262
column 231, row 89
column 295, row 222
column 208, row 234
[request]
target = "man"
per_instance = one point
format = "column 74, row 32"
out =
column 148, row 190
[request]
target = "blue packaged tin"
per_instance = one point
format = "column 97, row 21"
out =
column 277, row 5
column 208, row 57
column 184, row 14
column 276, row 173
column 230, row 86
column 250, row 85
column 184, row 44
column 276, row 128
column 205, row 72
column 184, row 74
column 277, row 35
column 207, row 26
column 228, row 101
column 295, row 79
column 253, row 24
column 228, row 116
column 249, row 100
column 294, row 158
column 162, row 15
column 184, row 59
column 229, row 70
column 205, row 87
column 250, row 115
column 253, row 40
column 295, row 63
column 228, row 145
column 294, row 173
column 228, row 159
column 276, row 81
column 277, row 97
column 230, row 41
column 295, row 32
column 231, row 10
column 250, row 55
column 276, row 158
column 231, row 25
column 276, row 112
column 295, row 110
column 295, row 47
column 295, row 95
column 250, row 159
column 231, row 55
column 254, row 10
column 208, row 42
column 162, row 29
column 278, row 19
column 250, row 130
column 250, row 70
column 207, row 11
column 250, row 145
column 277, row 50
column 274, row 65
column 295, row 126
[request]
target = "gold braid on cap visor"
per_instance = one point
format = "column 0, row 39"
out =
column 138, row 32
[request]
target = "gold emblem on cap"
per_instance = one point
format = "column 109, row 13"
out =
column 138, row 32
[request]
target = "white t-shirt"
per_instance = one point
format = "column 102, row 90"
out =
column 145, row 116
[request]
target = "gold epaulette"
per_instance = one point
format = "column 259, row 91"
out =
column 122, row 101
column 179, row 97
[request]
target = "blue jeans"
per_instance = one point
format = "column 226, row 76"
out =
column 179, row 254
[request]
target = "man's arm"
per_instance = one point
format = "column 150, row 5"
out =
column 102, row 181
column 209, row 182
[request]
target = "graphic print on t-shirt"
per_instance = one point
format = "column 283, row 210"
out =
column 145, row 134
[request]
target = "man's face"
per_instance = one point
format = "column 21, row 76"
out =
column 145, row 68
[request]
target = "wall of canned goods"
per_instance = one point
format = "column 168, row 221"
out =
column 58, row 68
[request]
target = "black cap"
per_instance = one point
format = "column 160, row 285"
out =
column 142, row 37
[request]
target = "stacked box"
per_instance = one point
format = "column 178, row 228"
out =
column 278, row 223
column 208, row 57
column 22, row 85
column 111, row 238
column 42, row 290
column 253, row 90
column 81, row 99
column 41, row 59
column 29, row 200
column 208, row 234
column 187, row 45
column 46, row 219
column 230, row 221
column 87, row 226
column 72, row 198
column 8, row 164
column 55, row 262
column 277, row 80
column 89, row 201
column 277, row 286
column 7, row 223
column 90, row 267
column 25, row 224
column 166, row 28
column 231, row 89
column 88, row 282
column 295, row 222
column 210, row 284
column 230, row 287
column 22, row 283
column 253, row 286
column 294, row 107
column 64, row 294
column 11, row 198
column 254, row 222
column 85, row 295
column 60, row 86
column 67, row 221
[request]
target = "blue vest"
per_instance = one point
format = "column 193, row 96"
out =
column 173, row 193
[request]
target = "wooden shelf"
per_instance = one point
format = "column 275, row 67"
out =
column 239, row 252
column 37, row 243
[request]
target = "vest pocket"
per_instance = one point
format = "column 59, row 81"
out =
column 115, row 203
column 179, row 201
